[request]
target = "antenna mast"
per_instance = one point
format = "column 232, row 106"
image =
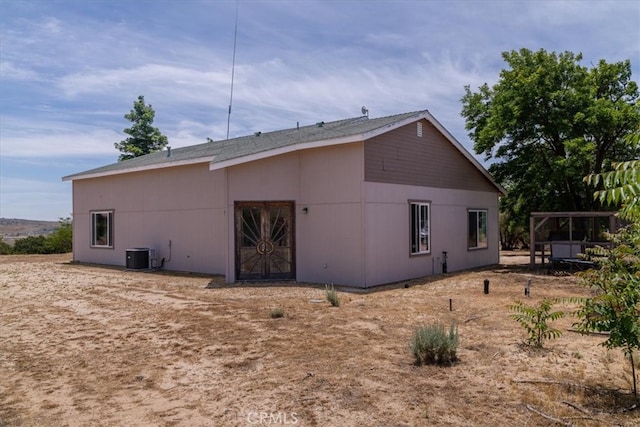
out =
column 233, row 69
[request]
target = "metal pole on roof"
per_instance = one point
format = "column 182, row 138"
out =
column 233, row 69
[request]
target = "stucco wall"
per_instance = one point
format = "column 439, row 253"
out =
column 387, row 244
column 181, row 204
column 328, row 183
column 355, row 232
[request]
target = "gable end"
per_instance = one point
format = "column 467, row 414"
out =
column 430, row 160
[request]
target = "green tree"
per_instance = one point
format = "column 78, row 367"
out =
column 547, row 123
column 512, row 232
column 60, row 241
column 5, row 248
column 621, row 184
column 31, row 245
column 616, row 306
column 143, row 137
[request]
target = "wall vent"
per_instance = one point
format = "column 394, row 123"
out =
column 420, row 129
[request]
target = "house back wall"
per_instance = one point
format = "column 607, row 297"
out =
column 401, row 166
column 328, row 182
column 388, row 256
column 184, row 205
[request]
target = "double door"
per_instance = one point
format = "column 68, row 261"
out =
column 265, row 240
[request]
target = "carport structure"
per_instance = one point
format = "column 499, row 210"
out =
column 568, row 233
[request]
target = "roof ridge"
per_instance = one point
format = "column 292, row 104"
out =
column 223, row 150
column 333, row 122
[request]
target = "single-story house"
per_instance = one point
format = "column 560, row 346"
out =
column 360, row 202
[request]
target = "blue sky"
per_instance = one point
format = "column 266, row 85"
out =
column 70, row 70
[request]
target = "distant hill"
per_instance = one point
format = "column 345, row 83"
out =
column 12, row 229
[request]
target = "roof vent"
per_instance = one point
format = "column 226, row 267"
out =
column 258, row 133
column 320, row 124
column 168, row 151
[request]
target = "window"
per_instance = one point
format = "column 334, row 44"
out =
column 102, row 229
column 420, row 237
column 477, row 237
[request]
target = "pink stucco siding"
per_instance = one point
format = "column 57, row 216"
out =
column 184, row 205
column 387, row 237
column 328, row 182
column 349, row 230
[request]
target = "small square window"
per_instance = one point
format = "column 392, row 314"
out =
column 102, row 229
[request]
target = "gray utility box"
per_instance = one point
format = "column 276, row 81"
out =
column 139, row 258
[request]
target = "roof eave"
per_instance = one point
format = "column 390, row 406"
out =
column 162, row 165
column 283, row 150
column 361, row 137
column 314, row 144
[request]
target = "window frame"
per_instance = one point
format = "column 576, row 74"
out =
column 478, row 228
column 109, row 229
column 414, row 234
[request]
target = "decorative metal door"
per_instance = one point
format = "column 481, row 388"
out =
column 264, row 241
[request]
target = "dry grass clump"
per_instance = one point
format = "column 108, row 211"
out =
column 332, row 296
column 432, row 344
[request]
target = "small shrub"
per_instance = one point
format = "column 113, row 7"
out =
column 277, row 313
column 432, row 344
column 332, row 296
column 534, row 321
column 60, row 241
column 5, row 248
column 31, row 245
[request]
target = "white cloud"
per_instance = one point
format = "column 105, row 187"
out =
column 10, row 71
column 70, row 70
column 184, row 84
column 52, row 26
column 56, row 141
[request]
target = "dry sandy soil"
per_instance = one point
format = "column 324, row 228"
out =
column 87, row 345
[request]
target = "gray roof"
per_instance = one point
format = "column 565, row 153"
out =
column 225, row 150
column 220, row 154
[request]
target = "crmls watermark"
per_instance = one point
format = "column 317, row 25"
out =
column 272, row 418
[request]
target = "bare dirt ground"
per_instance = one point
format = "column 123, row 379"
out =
column 87, row 345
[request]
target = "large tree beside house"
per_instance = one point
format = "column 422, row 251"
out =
column 548, row 122
column 143, row 137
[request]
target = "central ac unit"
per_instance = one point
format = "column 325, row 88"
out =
column 140, row 258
